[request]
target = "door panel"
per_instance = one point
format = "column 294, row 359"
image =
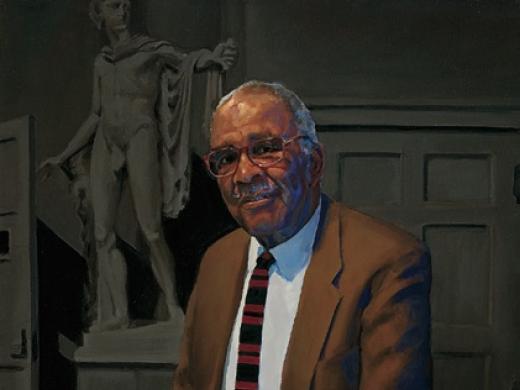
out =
column 18, row 307
column 455, row 190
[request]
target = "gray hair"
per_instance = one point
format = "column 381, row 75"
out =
column 301, row 114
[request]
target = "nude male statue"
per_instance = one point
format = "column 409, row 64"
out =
column 139, row 124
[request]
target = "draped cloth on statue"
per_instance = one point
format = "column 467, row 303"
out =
column 174, row 123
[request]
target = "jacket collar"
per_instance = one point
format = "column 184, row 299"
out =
column 292, row 255
column 318, row 301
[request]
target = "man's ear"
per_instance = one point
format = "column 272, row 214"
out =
column 317, row 163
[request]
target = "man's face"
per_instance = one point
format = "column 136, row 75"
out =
column 271, row 203
column 115, row 14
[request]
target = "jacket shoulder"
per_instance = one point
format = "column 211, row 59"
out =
column 226, row 248
column 373, row 242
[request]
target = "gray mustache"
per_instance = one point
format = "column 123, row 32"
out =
column 251, row 191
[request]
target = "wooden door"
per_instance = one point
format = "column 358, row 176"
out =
column 454, row 188
column 18, row 288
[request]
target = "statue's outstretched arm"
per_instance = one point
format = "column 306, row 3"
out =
column 223, row 56
column 81, row 138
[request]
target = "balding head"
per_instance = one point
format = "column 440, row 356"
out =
column 301, row 115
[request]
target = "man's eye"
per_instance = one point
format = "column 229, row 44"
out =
column 227, row 158
column 265, row 147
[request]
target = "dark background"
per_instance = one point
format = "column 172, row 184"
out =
column 333, row 53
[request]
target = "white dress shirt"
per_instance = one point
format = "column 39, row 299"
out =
column 283, row 294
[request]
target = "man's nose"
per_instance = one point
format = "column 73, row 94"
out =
column 246, row 169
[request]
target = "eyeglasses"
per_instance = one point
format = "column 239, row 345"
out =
column 263, row 152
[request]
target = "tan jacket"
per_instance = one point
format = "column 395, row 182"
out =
column 363, row 319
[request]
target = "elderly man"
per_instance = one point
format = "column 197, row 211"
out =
column 308, row 293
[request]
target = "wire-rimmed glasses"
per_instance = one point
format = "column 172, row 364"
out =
column 263, row 152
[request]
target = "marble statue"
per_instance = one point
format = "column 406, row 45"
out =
column 139, row 131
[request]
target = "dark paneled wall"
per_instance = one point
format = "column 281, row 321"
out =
column 397, row 51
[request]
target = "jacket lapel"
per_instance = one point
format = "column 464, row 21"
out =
column 225, row 301
column 318, row 301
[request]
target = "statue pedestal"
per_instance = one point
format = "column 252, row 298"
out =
column 131, row 359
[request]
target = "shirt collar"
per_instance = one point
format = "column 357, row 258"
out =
column 291, row 255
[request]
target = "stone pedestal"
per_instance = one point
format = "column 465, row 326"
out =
column 141, row 358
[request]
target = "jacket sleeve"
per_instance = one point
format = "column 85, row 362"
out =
column 395, row 334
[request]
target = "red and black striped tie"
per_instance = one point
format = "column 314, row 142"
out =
column 248, row 361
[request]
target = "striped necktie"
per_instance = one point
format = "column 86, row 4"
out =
column 250, row 341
